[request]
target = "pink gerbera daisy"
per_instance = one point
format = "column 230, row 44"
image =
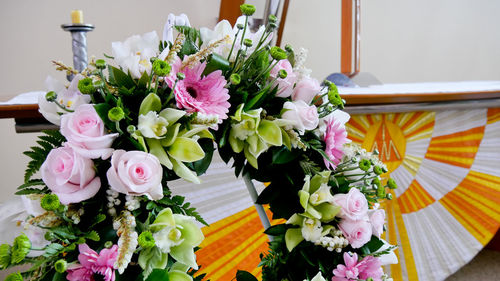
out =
column 93, row 264
column 195, row 93
column 335, row 137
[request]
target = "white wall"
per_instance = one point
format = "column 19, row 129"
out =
column 402, row 41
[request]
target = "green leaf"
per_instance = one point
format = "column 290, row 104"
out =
column 93, row 235
column 283, row 155
column 256, row 99
column 276, row 230
column 372, row 246
column 102, row 110
column 120, row 77
column 216, row 62
column 242, row 275
column 27, row 191
column 143, row 81
column 202, row 165
column 53, row 250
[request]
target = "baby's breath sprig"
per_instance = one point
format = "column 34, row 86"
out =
column 176, row 47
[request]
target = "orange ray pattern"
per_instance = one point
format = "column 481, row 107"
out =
column 414, row 198
column 473, row 205
column 457, row 149
column 493, row 115
column 232, row 244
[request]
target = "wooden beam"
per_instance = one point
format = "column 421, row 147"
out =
column 230, row 10
column 346, row 38
column 282, row 22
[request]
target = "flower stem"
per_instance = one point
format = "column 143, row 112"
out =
column 232, row 46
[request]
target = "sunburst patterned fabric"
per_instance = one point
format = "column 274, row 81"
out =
column 446, row 208
column 447, row 166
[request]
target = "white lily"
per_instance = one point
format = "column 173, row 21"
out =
column 70, row 98
column 133, row 55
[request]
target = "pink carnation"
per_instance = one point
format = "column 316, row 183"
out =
column 200, row 94
column 335, row 137
column 354, row 270
column 92, row 264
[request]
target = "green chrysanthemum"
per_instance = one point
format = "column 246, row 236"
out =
column 376, row 183
column 391, row 183
column 14, row 277
column 278, row 54
column 378, row 170
column 247, row 9
column 235, row 79
column 86, row 86
column 5, row 255
column 50, row 202
column 51, row 96
column 20, row 248
column 116, row 114
column 146, row 240
column 61, row 266
column 365, row 164
column 161, row 68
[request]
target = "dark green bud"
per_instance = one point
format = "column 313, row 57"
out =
column 86, row 86
column 108, row 244
column 240, row 26
column 51, row 96
column 282, row 74
column 376, row 182
column 369, row 279
column 365, row 164
column 235, row 79
column 247, row 42
column 388, row 196
column 5, row 256
column 14, row 277
column 273, row 25
column 278, row 54
column 146, row 240
column 153, row 59
column 99, row 84
column 50, row 202
column 288, row 48
column 272, row 18
column 391, row 183
column 181, row 75
column 131, row 129
column 100, row 64
column 61, row 266
column 247, row 9
column 161, row 68
column 116, row 114
column 20, row 248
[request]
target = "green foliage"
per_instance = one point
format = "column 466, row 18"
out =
column 50, row 140
column 242, row 275
column 177, row 204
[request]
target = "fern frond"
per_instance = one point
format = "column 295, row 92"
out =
column 38, row 154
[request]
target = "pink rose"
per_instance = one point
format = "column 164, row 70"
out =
column 303, row 116
column 306, row 90
column 69, row 175
column 86, row 133
column 354, row 205
column 358, row 233
column 136, row 173
column 285, row 85
column 377, row 220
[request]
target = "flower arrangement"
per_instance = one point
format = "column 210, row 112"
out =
column 102, row 208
